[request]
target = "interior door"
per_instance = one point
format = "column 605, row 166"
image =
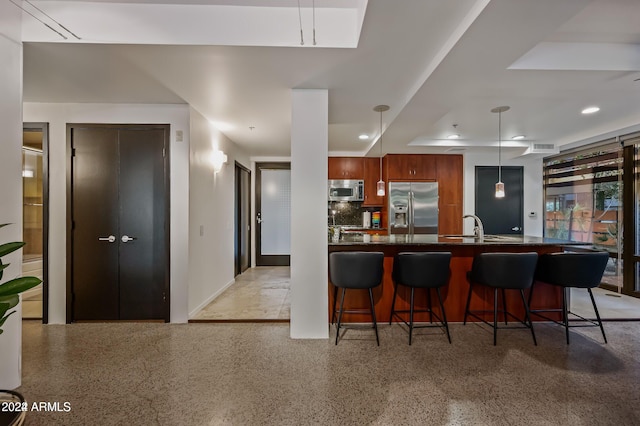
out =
column 142, row 240
column 500, row 215
column 243, row 219
column 273, row 218
column 119, row 223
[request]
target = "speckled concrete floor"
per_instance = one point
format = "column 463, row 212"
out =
column 253, row 374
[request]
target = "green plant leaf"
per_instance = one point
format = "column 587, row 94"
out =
column 18, row 285
column 7, row 248
column 4, row 307
column 9, row 302
column 2, row 268
column 2, row 321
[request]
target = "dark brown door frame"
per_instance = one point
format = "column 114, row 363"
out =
column 44, row 128
column 275, row 260
column 167, row 182
column 240, row 223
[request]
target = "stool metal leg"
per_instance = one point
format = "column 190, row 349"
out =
column 373, row 314
column 393, row 302
column 335, row 297
column 340, row 316
column 595, row 308
column 444, row 315
column 466, row 309
column 528, row 317
column 411, row 316
column 495, row 316
column 565, row 314
column 430, row 305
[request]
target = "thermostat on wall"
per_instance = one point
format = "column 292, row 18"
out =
column 532, row 214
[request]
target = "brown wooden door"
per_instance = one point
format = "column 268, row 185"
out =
column 425, row 167
column 346, row 168
column 119, row 240
column 371, row 178
column 450, row 190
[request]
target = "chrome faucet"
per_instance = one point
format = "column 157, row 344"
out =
column 478, row 229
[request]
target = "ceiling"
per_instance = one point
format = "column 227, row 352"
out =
column 435, row 63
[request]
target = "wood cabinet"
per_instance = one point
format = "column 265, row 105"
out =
column 409, row 167
column 346, row 168
column 371, row 178
column 450, row 175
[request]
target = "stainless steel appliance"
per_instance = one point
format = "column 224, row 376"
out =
column 413, row 207
column 346, row 190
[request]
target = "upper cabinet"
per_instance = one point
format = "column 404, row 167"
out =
column 346, row 168
column 371, row 178
column 411, row 167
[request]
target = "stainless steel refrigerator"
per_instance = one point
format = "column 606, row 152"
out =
column 413, row 208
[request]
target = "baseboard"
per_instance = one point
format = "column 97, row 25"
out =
column 210, row 299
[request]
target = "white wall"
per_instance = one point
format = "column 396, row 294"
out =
column 309, row 257
column 532, row 188
column 58, row 115
column 11, row 179
column 211, row 210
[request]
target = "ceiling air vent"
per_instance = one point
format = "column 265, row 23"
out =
column 541, row 148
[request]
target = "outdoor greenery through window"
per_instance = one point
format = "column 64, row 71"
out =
column 583, row 200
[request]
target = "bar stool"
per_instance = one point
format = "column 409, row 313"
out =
column 421, row 270
column 572, row 270
column 504, row 271
column 355, row 270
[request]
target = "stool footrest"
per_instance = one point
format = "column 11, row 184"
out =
column 473, row 314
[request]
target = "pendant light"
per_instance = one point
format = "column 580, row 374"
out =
column 499, row 184
column 380, row 185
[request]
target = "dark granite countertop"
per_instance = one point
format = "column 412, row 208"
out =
column 357, row 239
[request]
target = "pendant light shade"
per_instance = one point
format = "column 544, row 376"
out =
column 500, row 185
column 380, row 187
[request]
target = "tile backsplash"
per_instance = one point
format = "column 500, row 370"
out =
column 346, row 213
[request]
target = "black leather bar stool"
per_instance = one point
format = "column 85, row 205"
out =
column 355, row 270
column 572, row 270
column 421, row 270
column 504, row 271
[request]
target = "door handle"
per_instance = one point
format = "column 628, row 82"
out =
column 126, row 238
column 110, row 238
column 516, row 228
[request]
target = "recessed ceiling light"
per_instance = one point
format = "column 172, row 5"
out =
column 363, row 137
column 518, row 137
column 590, row 110
column 454, row 136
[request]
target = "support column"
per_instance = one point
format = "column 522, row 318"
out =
column 11, row 178
column 309, row 258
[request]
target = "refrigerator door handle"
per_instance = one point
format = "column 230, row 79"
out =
column 411, row 224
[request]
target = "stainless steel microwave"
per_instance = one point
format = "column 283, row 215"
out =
column 346, row 190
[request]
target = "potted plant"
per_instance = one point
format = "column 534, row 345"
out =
column 9, row 299
column 10, row 290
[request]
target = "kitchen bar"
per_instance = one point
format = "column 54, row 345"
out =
column 463, row 249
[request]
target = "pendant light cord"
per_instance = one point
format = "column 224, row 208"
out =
column 380, row 145
column 300, row 20
column 500, row 147
column 314, row 22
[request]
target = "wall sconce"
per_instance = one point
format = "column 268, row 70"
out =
column 218, row 159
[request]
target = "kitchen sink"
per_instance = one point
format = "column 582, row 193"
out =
column 487, row 238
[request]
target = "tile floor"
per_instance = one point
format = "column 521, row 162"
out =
column 611, row 305
column 254, row 374
column 260, row 293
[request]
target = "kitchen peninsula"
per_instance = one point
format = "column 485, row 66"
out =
column 463, row 249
